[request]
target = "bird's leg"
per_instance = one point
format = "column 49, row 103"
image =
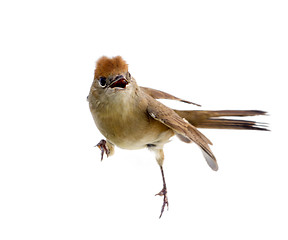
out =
column 102, row 145
column 163, row 192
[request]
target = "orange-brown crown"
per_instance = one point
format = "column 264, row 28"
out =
column 110, row 66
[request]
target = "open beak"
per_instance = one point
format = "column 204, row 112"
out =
column 119, row 82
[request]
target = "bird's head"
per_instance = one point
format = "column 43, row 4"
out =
column 111, row 77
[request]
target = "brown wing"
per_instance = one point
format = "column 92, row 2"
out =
column 167, row 116
column 157, row 94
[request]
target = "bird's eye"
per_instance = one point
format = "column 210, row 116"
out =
column 128, row 75
column 102, row 81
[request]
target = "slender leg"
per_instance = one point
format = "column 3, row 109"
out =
column 163, row 192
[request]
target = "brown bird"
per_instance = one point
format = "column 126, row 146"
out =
column 130, row 117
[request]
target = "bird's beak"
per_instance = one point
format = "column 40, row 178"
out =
column 119, row 82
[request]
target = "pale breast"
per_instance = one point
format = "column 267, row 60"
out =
column 131, row 128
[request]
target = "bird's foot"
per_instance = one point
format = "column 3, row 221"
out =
column 163, row 192
column 103, row 147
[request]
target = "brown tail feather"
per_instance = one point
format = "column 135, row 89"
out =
column 212, row 119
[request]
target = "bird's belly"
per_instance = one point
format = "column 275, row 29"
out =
column 133, row 133
column 147, row 138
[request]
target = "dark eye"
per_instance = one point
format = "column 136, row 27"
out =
column 128, row 75
column 102, row 81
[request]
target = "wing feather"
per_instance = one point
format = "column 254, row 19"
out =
column 157, row 94
column 168, row 117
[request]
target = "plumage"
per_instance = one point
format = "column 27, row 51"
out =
column 213, row 119
column 110, row 66
column 130, row 116
column 157, row 94
column 181, row 127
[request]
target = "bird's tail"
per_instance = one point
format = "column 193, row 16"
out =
column 214, row 119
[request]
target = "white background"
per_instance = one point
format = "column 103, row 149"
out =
column 221, row 54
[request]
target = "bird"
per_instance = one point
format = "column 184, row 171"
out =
column 130, row 117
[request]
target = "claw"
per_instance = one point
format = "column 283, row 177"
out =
column 163, row 192
column 103, row 147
